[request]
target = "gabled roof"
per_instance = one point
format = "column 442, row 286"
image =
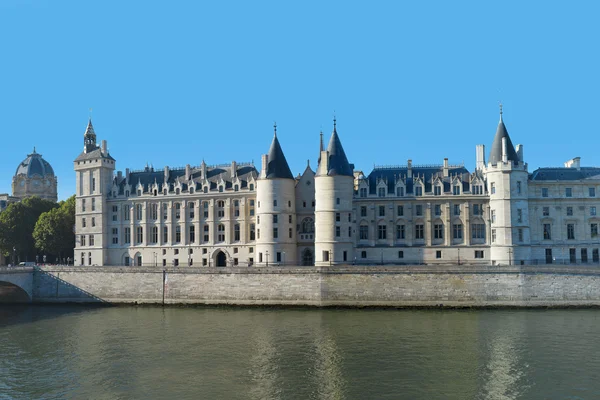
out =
column 565, row 174
column 496, row 152
column 277, row 166
column 428, row 174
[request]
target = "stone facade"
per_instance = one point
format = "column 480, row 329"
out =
column 234, row 215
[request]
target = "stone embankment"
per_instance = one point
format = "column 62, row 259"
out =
column 391, row 286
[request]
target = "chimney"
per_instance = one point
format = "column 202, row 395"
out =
column 233, row 169
column 203, row 169
column 265, row 162
column 104, row 148
column 520, row 152
column 188, row 173
column 574, row 163
column 166, row 174
column 409, row 169
column 504, row 150
column 445, row 167
column 127, row 175
column 480, row 157
column 119, row 176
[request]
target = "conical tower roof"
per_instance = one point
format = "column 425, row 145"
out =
column 496, row 152
column 277, row 166
column 338, row 162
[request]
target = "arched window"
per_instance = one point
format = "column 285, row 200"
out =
column 308, row 225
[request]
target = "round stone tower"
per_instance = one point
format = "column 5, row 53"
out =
column 276, row 209
column 507, row 178
column 334, row 189
column 35, row 177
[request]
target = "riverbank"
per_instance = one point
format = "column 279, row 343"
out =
column 377, row 286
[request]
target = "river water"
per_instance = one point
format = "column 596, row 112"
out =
column 76, row 352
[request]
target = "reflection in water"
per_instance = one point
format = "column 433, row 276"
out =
column 223, row 353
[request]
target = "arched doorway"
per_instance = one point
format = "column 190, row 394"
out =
column 220, row 259
column 307, row 258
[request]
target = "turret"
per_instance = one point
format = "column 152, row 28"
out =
column 507, row 179
column 276, row 209
column 89, row 138
column 334, row 189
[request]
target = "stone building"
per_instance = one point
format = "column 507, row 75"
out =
column 232, row 214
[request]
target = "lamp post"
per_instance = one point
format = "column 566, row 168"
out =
column 459, row 256
column 330, row 255
column 267, row 254
column 509, row 256
column 154, row 253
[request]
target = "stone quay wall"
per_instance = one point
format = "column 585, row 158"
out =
column 393, row 286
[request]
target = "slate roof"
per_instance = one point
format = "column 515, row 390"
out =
column 93, row 154
column 214, row 174
column 496, row 152
column 427, row 173
column 338, row 162
column 34, row 164
column 277, row 166
column 565, row 174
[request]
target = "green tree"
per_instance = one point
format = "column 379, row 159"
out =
column 53, row 232
column 16, row 226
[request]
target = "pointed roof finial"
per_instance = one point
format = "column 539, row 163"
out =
column 500, row 110
column 275, row 128
column 34, row 150
column 321, row 148
column 334, row 121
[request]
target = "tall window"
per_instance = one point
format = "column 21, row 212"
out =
column 457, row 230
column 165, row 234
column 418, row 190
column 492, row 188
column 138, row 212
column 140, row 234
column 206, row 233
column 456, row 209
column 546, row 211
column 400, row 232
column 220, row 233
column 519, row 215
column 568, row 192
column 382, row 211
column 569, row 211
column 126, row 212
column 192, row 234
column 456, row 190
column 419, row 231
column 594, row 230
column 363, row 232
column 93, row 204
column 518, row 187
column 437, row 190
column 478, row 231
column 381, row 192
column 127, row 234
column 437, row 209
column 177, row 210
column 571, row 231
column 154, row 234
column 236, row 232
column 381, row 232
column 275, row 233
column 400, row 191
column 438, row 231
column 252, row 232
column 592, row 192
column 154, row 211
column 419, row 209
column 191, row 209
column 493, row 216
column 363, row 211
column 177, row 234
column 363, row 192
column 400, row 211
column 547, row 232
column 544, row 192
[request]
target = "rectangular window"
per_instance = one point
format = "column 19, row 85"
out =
column 593, row 211
column 400, row 254
column 381, row 192
column 519, row 215
column 363, row 192
column 592, row 192
column 594, row 230
column 138, row 212
column 252, row 232
column 177, row 234
column 569, row 211
column 571, row 231
column 400, row 191
column 382, row 211
column 595, row 256
column 520, row 235
column 290, row 233
column 325, row 255
column 478, row 231
column 573, row 256
column 438, row 231
column 457, row 231
column 165, row 234
column 492, row 188
column 93, row 204
column 546, row 211
column 192, row 234
column 381, row 232
column 82, row 240
column 337, row 231
column 337, row 217
column 457, row 209
column 363, row 254
column 275, row 218
column 419, row 231
column 419, row 209
column 290, row 218
column 544, row 192
column 363, row 232
column 547, row 229
column 418, row 190
column 127, row 238
column 493, row 216
column 584, row 256
column 278, row 256
column 437, row 190
column 568, row 192
column 493, row 236
column 438, row 254
column 140, row 234
column 400, row 211
column 437, row 209
column 83, row 224
column 478, row 253
column 363, row 211
column 400, row 232
column 477, row 209
column 275, row 233
column 154, row 234
column 518, row 187
column 236, row 232
column 455, row 190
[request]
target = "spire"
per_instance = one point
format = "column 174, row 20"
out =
column 34, row 152
column 496, row 152
column 338, row 163
column 275, row 129
column 277, row 166
column 89, row 137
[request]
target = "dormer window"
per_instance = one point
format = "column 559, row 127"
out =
column 456, row 190
column 400, row 191
column 139, row 192
column 363, row 192
column 177, row 191
column 381, row 192
column 165, row 192
column 437, row 190
column 220, row 188
column 127, row 193
column 251, row 186
column 236, row 188
column 191, row 190
column 418, row 190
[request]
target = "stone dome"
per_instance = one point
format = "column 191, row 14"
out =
column 34, row 164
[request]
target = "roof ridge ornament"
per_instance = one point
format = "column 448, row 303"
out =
column 275, row 128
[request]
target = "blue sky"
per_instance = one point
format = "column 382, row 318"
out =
column 172, row 83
